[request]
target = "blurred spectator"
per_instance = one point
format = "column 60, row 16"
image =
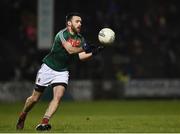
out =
column 146, row 46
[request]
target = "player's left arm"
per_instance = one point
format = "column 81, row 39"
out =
column 94, row 51
column 85, row 56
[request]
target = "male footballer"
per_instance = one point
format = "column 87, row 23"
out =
column 68, row 44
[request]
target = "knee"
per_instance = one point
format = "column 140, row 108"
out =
column 33, row 99
column 58, row 93
column 57, row 98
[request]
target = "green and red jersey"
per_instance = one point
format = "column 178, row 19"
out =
column 58, row 58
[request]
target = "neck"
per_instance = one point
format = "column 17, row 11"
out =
column 70, row 30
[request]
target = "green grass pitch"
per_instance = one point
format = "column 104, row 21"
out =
column 161, row 116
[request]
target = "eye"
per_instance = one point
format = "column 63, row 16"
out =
column 78, row 21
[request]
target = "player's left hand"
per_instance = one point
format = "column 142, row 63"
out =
column 97, row 49
column 92, row 48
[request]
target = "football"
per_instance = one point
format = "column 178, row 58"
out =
column 106, row 36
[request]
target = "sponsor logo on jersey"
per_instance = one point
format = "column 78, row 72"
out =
column 74, row 43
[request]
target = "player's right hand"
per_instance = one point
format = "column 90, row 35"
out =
column 87, row 48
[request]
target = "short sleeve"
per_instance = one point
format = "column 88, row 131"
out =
column 63, row 36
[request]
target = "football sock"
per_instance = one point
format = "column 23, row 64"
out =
column 45, row 120
column 23, row 115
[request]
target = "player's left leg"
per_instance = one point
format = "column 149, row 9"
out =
column 58, row 92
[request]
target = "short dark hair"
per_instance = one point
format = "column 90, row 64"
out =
column 70, row 15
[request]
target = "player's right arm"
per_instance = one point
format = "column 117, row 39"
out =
column 64, row 36
column 70, row 49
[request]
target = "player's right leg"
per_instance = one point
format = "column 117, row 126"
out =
column 43, row 78
column 30, row 102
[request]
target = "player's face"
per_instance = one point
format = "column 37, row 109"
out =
column 76, row 24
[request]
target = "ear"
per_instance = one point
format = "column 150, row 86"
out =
column 68, row 23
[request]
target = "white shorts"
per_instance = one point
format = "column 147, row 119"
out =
column 47, row 76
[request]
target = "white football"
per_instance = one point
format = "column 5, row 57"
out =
column 106, row 36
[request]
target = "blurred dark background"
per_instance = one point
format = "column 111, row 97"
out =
column 146, row 46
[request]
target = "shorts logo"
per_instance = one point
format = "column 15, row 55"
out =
column 38, row 79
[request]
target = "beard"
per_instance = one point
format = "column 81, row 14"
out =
column 76, row 29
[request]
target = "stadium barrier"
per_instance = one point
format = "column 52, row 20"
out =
column 15, row 91
column 93, row 90
column 161, row 88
